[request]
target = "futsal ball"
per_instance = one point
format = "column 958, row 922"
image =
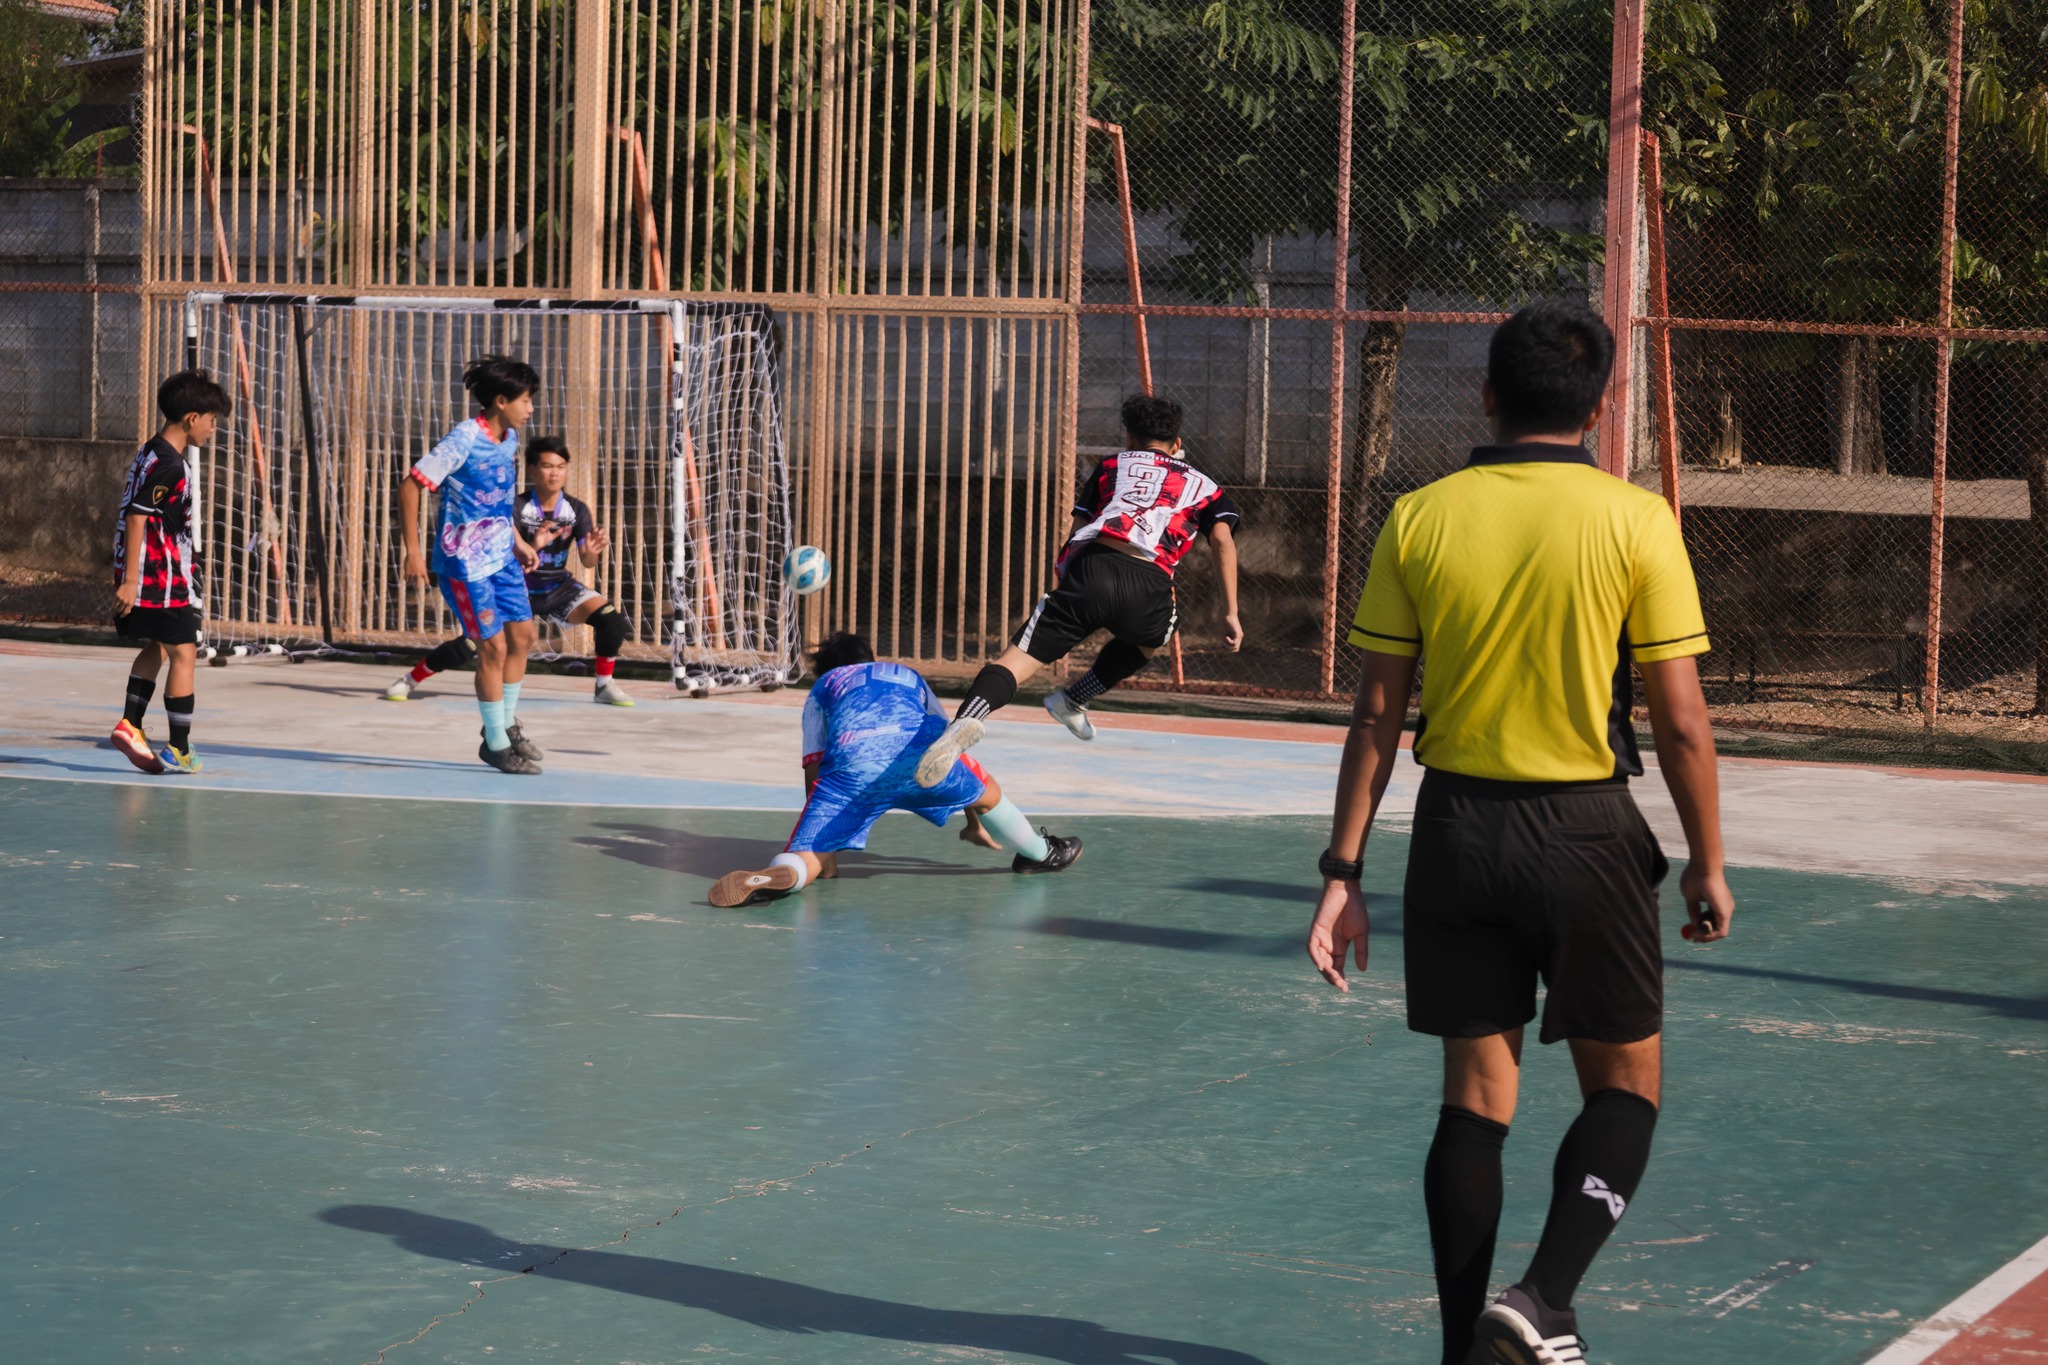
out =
column 806, row 569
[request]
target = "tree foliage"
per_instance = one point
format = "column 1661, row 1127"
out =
column 38, row 93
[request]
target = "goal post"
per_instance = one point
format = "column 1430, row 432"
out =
column 336, row 396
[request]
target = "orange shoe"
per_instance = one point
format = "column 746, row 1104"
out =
column 134, row 745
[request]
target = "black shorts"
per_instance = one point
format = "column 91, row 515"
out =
column 1509, row 881
column 164, row 625
column 553, row 602
column 1102, row 589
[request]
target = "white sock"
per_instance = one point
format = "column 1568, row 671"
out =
column 512, row 703
column 494, row 724
column 1013, row 831
column 796, row 864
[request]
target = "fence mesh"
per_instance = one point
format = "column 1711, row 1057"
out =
column 1302, row 220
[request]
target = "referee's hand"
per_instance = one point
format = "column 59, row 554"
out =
column 1708, row 901
column 1341, row 925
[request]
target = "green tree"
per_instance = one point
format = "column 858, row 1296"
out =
column 38, row 93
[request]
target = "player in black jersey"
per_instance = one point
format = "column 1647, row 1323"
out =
column 548, row 518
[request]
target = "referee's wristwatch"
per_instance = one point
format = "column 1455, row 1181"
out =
column 1337, row 870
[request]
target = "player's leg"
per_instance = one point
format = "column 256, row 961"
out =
column 998, row 819
column 179, row 701
column 837, row 815
column 608, row 629
column 442, row 657
column 515, row 608
column 1068, row 705
column 128, row 737
column 1059, row 622
column 1462, row 1181
column 476, row 607
column 1136, row 601
column 786, row 872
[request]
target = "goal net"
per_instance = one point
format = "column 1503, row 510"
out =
column 674, row 417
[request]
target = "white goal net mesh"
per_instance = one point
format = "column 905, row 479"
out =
column 674, row 418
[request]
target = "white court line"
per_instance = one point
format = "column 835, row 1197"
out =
column 1948, row 1324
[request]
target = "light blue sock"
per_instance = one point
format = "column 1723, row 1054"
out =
column 511, row 691
column 1013, row 830
column 494, row 724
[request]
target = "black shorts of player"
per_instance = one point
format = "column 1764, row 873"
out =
column 1512, row 881
column 553, row 601
column 164, row 625
column 1102, row 589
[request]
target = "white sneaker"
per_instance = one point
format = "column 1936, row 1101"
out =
column 938, row 760
column 610, row 694
column 1518, row 1329
column 400, row 690
column 1069, row 713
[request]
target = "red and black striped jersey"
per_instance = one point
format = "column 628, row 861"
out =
column 1151, row 501
column 159, row 489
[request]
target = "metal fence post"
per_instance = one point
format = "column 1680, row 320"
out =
column 1944, row 318
column 1340, row 280
column 1624, row 162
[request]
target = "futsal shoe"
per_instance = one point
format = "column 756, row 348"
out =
column 134, row 746
column 610, row 693
column 508, row 760
column 955, row 740
column 745, row 888
column 1069, row 713
column 1518, row 1328
column 523, row 746
column 400, row 690
column 176, row 762
column 1060, row 854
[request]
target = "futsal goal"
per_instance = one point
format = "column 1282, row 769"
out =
column 675, row 420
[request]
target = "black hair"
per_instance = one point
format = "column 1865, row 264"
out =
column 1548, row 366
column 190, row 391
column 547, row 445
column 499, row 376
column 1148, row 417
column 840, row 650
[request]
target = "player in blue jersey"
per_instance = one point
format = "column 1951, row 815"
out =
column 865, row 726
column 478, row 559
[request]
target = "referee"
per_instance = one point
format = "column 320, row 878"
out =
column 1530, row 580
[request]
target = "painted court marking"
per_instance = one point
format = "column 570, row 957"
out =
column 2018, row 1290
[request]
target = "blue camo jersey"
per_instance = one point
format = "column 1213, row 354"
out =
column 865, row 718
column 475, row 476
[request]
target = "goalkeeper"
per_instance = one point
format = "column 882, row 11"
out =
column 552, row 521
column 865, row 726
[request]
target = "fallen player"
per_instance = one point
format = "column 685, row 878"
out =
column 865, row 726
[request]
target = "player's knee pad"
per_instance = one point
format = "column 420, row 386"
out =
column 609, row 625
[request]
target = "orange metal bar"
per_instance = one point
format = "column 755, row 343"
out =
column 1660, row 332
column 1624, row 126
column 1333, row 512
column 1944, row 316
column 224, row 266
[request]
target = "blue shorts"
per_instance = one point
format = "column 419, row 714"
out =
column 844, row 807
column 486, row 606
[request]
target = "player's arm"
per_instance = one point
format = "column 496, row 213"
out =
column 131, row 567
column 1223, row 540
column 409, row 527
column 1685, row 755
column 1371, row 748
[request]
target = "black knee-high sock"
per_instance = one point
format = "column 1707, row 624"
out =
column 1599, row 1164
column 140, row 690
column 178, row 710
column 449, row 654
column 1116, row 662
column 1461, row 1185
column 994, row 688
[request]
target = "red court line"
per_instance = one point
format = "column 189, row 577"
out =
column 2002, row 1321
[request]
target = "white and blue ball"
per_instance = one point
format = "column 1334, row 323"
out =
column 806, row 569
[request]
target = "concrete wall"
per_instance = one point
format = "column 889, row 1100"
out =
column 68, row 360
column 57, row 503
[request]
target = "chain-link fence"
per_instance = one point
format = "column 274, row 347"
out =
column 1301, row 220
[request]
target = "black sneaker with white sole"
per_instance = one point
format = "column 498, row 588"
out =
column 523, row 746
column 1060, row 854
column 508, row 760
column 1518, row 1328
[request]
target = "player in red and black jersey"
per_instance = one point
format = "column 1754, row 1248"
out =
column 157, row 600
column 1138, row 514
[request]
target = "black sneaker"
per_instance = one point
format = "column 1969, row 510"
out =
column 508, row 760
column 1060, row 854
column 1518, row 1328
column 523, row 746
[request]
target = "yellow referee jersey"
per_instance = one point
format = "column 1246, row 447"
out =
column 1522, row 579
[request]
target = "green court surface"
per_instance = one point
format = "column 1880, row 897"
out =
column 287, row 1077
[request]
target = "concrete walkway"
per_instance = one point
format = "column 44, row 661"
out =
column 322, row 728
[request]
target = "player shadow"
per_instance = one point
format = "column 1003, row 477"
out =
column 344, row 759
column 2011, row 1006
column 713, row 855
column 773, row 1304
column 94, row 770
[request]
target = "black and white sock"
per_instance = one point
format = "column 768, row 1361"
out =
column 994, row 688
column 1599, row 1164
column 1116, row 662
column 1461, row 1187
column 178, row 710
column 140, row 690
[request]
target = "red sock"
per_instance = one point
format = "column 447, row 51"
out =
column 605, row 667
column 420, row 672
